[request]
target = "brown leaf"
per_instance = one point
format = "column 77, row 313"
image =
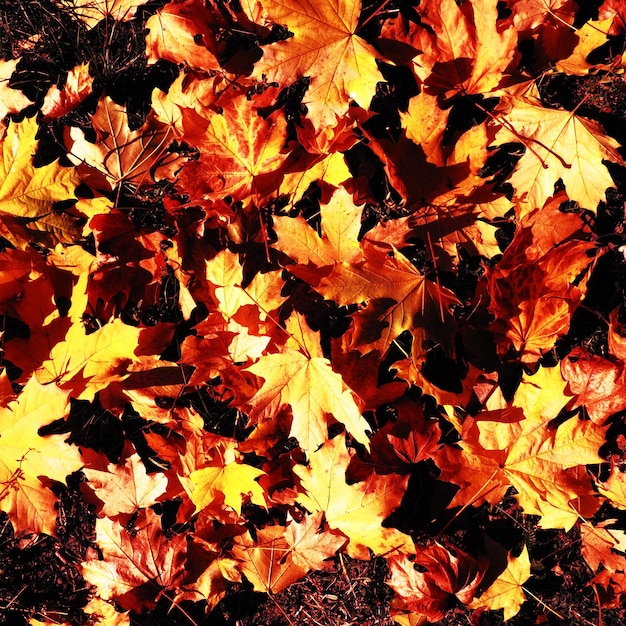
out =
column 137, row 564
column 121, row 155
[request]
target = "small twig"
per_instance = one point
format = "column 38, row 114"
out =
column 595, row 591
column 543, row 604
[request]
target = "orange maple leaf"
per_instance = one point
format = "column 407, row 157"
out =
column 325, row 48
column 126, row 488
column 442, row 573
column 241, row 153
column 397, row 297
column 182, row 32
column 282, row 555
column 466, row 48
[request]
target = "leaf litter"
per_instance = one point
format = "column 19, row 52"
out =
column 190, row 233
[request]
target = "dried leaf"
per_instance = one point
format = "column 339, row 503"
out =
column 126, row 488
column 506, row 592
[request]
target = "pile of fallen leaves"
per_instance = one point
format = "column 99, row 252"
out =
column 287, row 280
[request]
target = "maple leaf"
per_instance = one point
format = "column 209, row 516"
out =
column 540, row 279
column 617, row 336
column 121, row 155
column 468, row 48
column 103, row 613
column 614, row 488
column 357, row 510
column 532, row 14
column 59, row 102
column 591, row 35
column 598, row 545
column 240, row 153
column 226, row 480
column 182, row 32
column 513, row 446
column 11, row 100
column 27, row 193
column 97, row 359
column 506, row 592
column 425, row 123
column 209, row 572
column 126, row 488
column 338, row 243
column 282, row 555
column 138, row 565
column 225, row 273
column 324, row 48
column 597, row 383
column 442, row 573
column 312, row 390
column 267, row 562
column 24, row 457
column 35, row 308
column 417, row 445
column 91, row 12
column 398, row 297
column 327, row 165
column 311, row 545
column 559, row 145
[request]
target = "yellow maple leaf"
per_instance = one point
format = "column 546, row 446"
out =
column 591, row 35
column 103, row 613
column 24, row 456
column 357, row 510
column 559, row 145
column 228, row 480
column 506, row 592
column 311, row 545
column 225, row 273
column 313, row 390
column 98, row 358
column 341, row 223
column 27, row 193
column 514, row 446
